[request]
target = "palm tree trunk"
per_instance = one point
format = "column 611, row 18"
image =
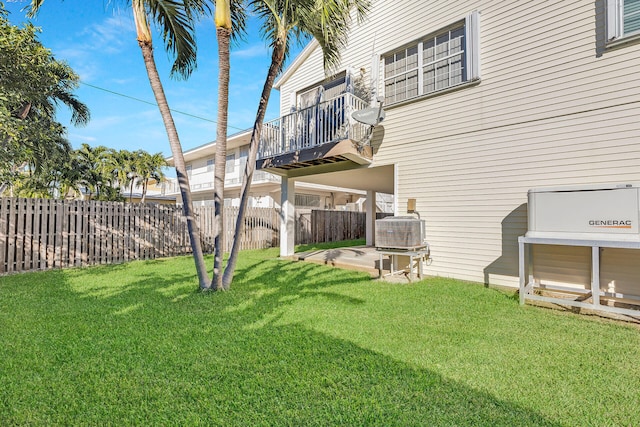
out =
column 276, row 62
column 144, row 191
column 223, row 35
column 178, row 158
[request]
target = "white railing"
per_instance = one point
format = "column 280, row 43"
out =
column 325, row 122
column 258, row 177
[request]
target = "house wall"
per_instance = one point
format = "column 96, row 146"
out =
column 553, row 107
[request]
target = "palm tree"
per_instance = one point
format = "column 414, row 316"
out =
column 150, row 167
column 124, row 171
column 327, row 21
column 175, row 20
column 230, row 20
column 223, row 34
column 178, row 32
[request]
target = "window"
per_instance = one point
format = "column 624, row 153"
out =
column 210, row 165
column 623, row 18
column 323, row 91
column 307, row 200
column 189, row 170
column 231, row 163
column 439, row 61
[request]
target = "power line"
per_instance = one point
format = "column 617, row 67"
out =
column 154, row 104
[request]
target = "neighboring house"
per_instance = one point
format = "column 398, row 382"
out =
column 265, row 187
column 484, row 100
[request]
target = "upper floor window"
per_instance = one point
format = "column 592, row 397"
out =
column 623, row 18
column 438, row 61
column 231, row 163
column 323, row 91
column 189, row 170
column 210, row 165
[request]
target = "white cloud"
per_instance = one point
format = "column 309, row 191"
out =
column 82, row 138
column 107, row 37
column 254, row 51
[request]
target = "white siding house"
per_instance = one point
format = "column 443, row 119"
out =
column 484, row 100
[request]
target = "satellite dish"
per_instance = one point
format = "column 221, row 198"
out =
column 371, row 116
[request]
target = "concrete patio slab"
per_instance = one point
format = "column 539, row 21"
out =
column 359, row 258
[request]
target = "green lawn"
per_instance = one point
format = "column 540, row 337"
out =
column 301, row 344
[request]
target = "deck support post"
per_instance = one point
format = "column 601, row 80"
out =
column 287, row 217
column 370, row 218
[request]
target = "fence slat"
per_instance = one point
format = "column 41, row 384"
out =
column 4, row 232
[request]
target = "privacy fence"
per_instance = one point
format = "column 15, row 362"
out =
column 40, row 234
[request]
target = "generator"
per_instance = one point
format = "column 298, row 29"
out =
column 590, row 212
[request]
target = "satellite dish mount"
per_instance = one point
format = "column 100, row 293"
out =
column 371, row 116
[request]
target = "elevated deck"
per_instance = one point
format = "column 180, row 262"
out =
column 324, row 134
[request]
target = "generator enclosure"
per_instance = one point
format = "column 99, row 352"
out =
column 400, row 232
column 595, row 212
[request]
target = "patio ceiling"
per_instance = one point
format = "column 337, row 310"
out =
column 379, row 179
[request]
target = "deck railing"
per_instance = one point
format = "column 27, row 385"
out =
column 326, row 122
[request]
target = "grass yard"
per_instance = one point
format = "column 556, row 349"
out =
column 301, row 344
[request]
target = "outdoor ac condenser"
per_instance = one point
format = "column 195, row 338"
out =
column 400, row 232
column 596, row 212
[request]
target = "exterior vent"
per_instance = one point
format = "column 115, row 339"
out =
column 400, row 232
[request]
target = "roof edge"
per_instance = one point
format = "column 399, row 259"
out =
column 209, row 144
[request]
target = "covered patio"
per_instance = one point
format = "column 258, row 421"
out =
column 372, row 179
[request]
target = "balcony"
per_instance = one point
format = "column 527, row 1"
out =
column 322, row 134
column 259, row 177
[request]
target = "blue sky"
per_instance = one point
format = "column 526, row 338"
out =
column 98, row 40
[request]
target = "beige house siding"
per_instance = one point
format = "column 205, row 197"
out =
column 553, row 107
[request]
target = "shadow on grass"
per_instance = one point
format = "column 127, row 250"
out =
column 153, row 350
column 329, row 245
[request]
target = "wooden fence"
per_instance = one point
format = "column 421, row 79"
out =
column 41, row 234
column 332, row 226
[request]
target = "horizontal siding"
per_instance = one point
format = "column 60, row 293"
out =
column 553, row 108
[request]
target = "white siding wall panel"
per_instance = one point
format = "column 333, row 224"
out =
column 553, row 108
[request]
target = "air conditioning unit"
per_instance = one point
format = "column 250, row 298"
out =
column 400, row 232
column 596, row 212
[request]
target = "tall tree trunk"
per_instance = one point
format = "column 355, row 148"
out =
column 224, row 36
column 144, row 190
column 276, row 62
column 178, row 159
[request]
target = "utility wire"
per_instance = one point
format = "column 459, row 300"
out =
column 154, row 104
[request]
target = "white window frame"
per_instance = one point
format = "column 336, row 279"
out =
column 615, row 23
column 471, row 73
column 210, row 165
column 189, row 170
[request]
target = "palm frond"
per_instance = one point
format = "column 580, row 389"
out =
column 174, row 20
